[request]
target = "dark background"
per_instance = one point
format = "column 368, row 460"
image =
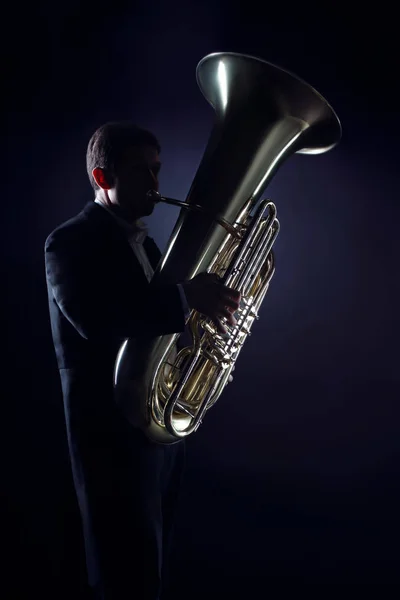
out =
column 293, row 478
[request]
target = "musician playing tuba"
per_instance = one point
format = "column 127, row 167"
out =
column 133, row 386
column 99, row 265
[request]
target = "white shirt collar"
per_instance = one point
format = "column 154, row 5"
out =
column 137, row 231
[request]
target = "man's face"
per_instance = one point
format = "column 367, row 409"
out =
column 137, row 173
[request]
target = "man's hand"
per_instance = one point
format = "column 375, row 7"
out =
column 208, row 296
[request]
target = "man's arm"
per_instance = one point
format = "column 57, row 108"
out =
column 97, row 301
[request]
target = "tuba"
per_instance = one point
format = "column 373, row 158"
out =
column 263, row 114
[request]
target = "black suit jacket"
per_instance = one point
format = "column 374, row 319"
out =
column 98, row 292
column 98, row 296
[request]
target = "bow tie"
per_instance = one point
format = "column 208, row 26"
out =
column 136, row 232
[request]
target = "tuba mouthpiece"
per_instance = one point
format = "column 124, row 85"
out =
column 154, row 196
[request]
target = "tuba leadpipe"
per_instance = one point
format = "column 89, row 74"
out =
column 157, row 197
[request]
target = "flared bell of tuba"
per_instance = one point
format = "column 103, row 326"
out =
column 263, row 115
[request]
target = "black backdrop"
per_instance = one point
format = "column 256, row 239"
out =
column 293, row 478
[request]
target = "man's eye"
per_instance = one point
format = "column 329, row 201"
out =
column 140, row 168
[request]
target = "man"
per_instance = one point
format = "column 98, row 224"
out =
column 98, row 268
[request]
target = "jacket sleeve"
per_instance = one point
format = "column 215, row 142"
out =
column 99, row 300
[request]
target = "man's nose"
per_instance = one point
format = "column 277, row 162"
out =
column 155, row 180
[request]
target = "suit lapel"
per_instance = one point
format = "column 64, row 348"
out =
column 152, row 251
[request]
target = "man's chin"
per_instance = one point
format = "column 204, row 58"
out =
column 147, row 211
column 150, row 206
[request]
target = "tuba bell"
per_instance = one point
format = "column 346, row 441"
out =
column 263, row 114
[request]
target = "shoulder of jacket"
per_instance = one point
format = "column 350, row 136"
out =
column 74, row 230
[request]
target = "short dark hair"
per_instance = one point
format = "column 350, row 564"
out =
column 109, row 143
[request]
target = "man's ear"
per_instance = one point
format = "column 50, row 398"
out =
column 103, row 178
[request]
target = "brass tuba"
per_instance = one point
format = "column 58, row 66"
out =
column 263, row 114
